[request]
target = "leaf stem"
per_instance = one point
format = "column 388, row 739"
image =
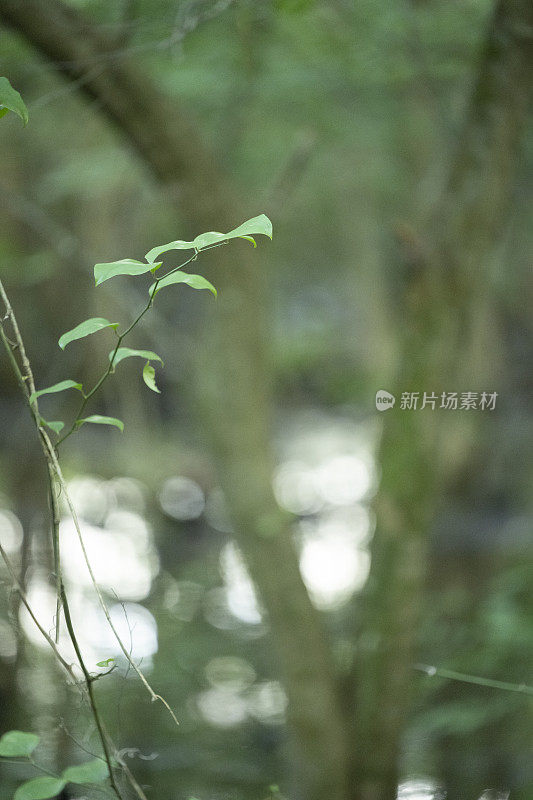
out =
column 120, row 339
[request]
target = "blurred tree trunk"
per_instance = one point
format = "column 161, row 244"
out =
column 442, row 319
column 235, row 379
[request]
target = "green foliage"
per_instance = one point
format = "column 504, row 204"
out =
column 103, row 272
column 10, row 100
column 247, row 230
column 57, row 387
column 105, row 663
column 19, row 744
column 127, row 266
column 128, row 352
column 40, row 789
column 90, row 772
column 98, row 419
column 85, row 329
column 14, row 744
column 195, row 281
column 56, row 427
column 149, row 377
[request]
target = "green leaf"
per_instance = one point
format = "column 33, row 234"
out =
column 85, row 329
column 18, row 743
column 57, row 387
column 149, row 377
column 127, row 352
column 247, row 230
column 10, row 100
column 195, row 281
column 128, row 266
column 40, row 789
column 98, row 419
column 105, row 663
column 56, row 427
column 91, row 772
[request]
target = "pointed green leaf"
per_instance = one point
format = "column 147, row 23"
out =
column 18, row 743
column 56, row 427
column 10, row 100
column 105, row 663
column 40, row 789
column 247, row 230
column 127, row 352
column 85, row 329
column 91, row 772
column 128, row 266
column 195, row 281
column 98, row 419
column 149, row 377
column 57, row 387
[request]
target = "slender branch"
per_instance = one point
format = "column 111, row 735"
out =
column 27, row 373
column 66, row 666
column 55, row 469
column 40, row 768
column 24, row 598
column 461, row 677
column 27, row 386
column 54, row 511
column 90, row 692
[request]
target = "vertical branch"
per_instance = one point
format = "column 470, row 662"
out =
column 67, row 667
column 54, row 511
column 27, row 385
column 89, row 680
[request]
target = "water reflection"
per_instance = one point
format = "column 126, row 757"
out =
column 333, row 563
column 420, row 789
column 240, row 593
column 136, row 627
column 121, row 554
column 234, row 695
column 124, row 560
column 182, row 598
column 10, row 531
column 327, row 475
column 267, row 702
column 229, row 673
column 222, row 708
column 181, row 498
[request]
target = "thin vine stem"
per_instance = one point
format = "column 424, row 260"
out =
column 477, row 680
column 57, row 468
column 120, row 338
column 26, row 382
column 90, row 691
column 54, row 512
column 53, row 462
column 18, row 586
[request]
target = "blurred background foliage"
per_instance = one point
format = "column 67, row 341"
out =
column 340, row 120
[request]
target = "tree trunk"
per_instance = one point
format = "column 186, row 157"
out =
column 442, row 348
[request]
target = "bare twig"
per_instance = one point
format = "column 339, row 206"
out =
column 25, row 379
